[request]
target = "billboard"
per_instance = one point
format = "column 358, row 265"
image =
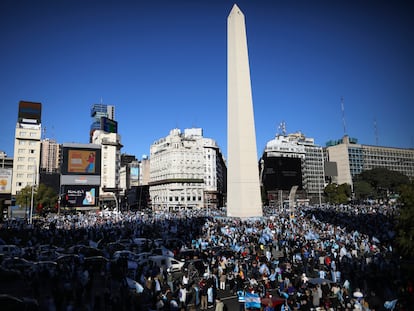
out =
column 81, row 161
column 281, row 173
column 80, row 196
column 29, row 111
column 109, row 125
column 5, row 180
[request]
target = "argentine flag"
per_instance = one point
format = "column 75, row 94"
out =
column 252, row 301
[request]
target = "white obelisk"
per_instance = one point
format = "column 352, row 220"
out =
column 243, row 187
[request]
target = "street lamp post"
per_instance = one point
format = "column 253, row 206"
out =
column 32, row 195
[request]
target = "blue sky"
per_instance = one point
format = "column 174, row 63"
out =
column 162, row 64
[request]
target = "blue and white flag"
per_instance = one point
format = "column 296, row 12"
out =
column 252, row 301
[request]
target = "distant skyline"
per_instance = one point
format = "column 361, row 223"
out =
column 163, row 65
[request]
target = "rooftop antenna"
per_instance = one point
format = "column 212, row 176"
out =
column 282, row 128
column 376, row 131
column 343, row 114
column 43, row 132
column 53, row 133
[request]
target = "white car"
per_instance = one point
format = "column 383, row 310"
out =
column 167, row 263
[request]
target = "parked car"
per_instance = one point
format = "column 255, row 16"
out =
column 166, row 263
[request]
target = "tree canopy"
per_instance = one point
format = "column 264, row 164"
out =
column 337, row 194
column 405, row 225
column 381, row 182
column 44, row 197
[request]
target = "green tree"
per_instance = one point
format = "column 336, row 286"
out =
column 363, row 190
column 43, row 196
column 383, row 181
column 24, row 197
column 405, row 224
column 337, row 194
column 46, row 197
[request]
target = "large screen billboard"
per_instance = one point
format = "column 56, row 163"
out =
column 29, row 111
column 80, row 196
column 81, row 161
column 282, row 173
column 109, row 125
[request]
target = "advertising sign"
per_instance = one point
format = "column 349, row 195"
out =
column 109, row 125
column 282, row 173
column 30, row 111
column 81, row 161
column 5, row 180
column 81, row 196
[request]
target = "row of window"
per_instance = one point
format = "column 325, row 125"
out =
column 23, row 159
column 25, row 142
column 29, row 134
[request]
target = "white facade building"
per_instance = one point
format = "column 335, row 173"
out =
column 296, row 145
column 26, row 156
column 182, row 169
column 110, row 161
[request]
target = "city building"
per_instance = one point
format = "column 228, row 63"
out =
column 353, row 158
column 110, row 162
column 183, row 171
column 134, row 177
column 6, row 162
column 99, row 111
column 215, row 174
column 292, row 160
column 27, row 146
column 49, row 156
column 6, row 173
column 104, row 132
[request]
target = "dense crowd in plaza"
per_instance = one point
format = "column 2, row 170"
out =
column 313, row 258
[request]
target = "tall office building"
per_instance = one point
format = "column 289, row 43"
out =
column 27, row 146
column 292, row 160
column 97, row 112
column 50, row 155
column 243, row 186
column 104, row 132
column 353, row 158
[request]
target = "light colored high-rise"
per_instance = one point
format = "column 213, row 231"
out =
column 50, row 154
column 243, row 186
column 99, row 111
column 27, row 146
column 110, row 161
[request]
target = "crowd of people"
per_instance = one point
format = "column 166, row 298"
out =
column 312, row 258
